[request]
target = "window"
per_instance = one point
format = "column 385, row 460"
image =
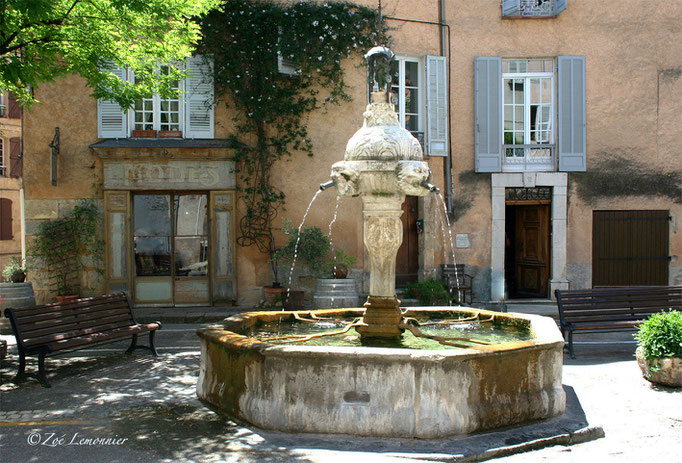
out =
column 191, row 114
column 407, row 94
column 156, row 113
column 528, row 112
column 3, row 166
column 419, row 87
column 3, row 105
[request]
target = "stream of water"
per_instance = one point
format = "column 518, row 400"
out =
column 298, row 239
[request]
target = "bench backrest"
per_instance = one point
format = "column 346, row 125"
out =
column 616, row 304
column 47, row 323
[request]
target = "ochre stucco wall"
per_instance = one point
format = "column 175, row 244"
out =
column 634, row 94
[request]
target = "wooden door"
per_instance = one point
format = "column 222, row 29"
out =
column 630, row 248
column 532, row 250
column 407, row 261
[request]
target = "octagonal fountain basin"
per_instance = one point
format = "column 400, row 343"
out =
column 430, row 391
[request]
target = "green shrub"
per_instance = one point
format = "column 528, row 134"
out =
column 428, row 292
column 13, row 271
column 661, row 335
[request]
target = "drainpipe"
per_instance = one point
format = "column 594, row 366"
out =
column 21, row 195
column 446, row 51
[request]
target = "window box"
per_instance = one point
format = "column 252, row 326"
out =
column 170, row 134
column 144, row 133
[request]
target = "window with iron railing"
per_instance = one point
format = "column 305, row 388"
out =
column 528, row 112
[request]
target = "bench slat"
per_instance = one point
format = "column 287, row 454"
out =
column 69, row 321
column 101, row 336
column 74, row 311
column 44, row 333
column 61, row 306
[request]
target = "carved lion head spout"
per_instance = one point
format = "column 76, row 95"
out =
column 346, row 176
column 411, row 175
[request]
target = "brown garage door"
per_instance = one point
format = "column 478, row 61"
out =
column 630, row 248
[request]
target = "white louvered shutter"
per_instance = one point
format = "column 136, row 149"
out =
column 111, row 119
column 511, row 8
column 199, row 98
column 487, row 113
column 437, row 106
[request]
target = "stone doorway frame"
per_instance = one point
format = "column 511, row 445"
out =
column 559, row 211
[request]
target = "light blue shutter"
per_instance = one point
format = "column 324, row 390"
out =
column 437, row 106
column 571, row 113
column 199, row 98
column 111, row 119
column 487, row 113
column 559, row 6
column 510, row 8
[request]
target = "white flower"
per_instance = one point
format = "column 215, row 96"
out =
column 315, row 23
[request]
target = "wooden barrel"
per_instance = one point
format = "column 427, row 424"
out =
column 332, row 293
column 14, row 295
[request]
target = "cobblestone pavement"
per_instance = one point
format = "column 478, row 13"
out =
column 105, row 406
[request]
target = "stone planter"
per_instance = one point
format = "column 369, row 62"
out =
column 669, row 372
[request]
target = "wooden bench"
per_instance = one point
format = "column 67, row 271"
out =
column 612, row 309
column 46, row 329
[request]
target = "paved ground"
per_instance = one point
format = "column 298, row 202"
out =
column 104, row 406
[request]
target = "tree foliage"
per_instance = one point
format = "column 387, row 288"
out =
column 44, row 39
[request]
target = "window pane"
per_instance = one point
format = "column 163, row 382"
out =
column 412, row 123
column 508, row 91
column 191, row 214
column 412, row 100
column 518, row 117
column 152, row 255
column 411, row 73
column 191, row 256
column 508, row 117
column 152, row 215
column 546, row 91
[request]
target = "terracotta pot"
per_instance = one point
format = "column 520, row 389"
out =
column 271, row 294
column 340, row 271
column 144, row 133
column 70, row 297
column 170, row 134
column 18, row 277
column 668, row 373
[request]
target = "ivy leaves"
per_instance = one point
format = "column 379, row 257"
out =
column 246, row 39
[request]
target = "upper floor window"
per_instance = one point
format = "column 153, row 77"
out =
column 407, row 88
column 529, row 114
column 3, row 104
column 157, row 113
column 189, row 115
column 528, row 111
column 419, row 88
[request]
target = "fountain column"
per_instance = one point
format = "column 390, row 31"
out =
column 382, row 236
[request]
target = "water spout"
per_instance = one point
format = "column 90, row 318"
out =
column 432, row 188
column 324, row 186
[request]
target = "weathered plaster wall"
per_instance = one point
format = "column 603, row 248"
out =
column 9, row 189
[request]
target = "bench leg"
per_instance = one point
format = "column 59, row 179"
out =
column 21, row 371
column 42, row 377
column 133, row 345
column 570, row 344
column 151, row 343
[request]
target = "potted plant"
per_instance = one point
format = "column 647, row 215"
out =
column 428, row 292
column 14, row 272
column 59, row 245
column 659, row 351
column 310, row 248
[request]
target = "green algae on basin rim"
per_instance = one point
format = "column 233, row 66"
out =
column 491, row 332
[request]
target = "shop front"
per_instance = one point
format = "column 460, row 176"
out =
column 169, row 226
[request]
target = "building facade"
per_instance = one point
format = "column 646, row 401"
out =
column 10, row 179
column 532, row 115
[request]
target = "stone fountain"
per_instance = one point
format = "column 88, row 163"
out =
column 378, row 391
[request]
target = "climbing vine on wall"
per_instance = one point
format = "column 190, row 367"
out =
column 270, row 108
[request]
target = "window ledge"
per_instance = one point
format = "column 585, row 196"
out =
column 163, row 143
